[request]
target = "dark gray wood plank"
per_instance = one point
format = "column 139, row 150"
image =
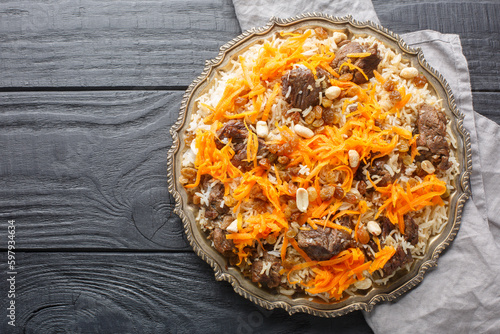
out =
column 477, row 23
column 110, row 43
column 488, row 103
column 88, row 169
column 153, row 44
column 141, row 293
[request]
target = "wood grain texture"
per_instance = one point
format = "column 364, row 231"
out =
column 489, row 104
column 88, row 169
column 110, row 43
column 142, row 293
column 151, row 44
column 477, row 23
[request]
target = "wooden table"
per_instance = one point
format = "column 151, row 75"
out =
column 88, row 92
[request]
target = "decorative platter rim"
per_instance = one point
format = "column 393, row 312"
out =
column 263, row 297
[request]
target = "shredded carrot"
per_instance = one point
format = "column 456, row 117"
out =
column 378, row 76
column 359, row 55
column 400, row 201
column 381, row 258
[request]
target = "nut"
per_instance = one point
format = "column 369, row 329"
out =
column 353, row 158
column 409, row 72
column 339, row 37
column 233, row 227
column 373, row 227
column 332, row 92
column 428, row 167
column 303, row 131
column 364, row 284
column 262, row 129
column 302, row 199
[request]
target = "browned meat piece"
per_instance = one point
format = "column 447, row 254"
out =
column 234, row 129
column 386, row 226
column 215, row 206
column 431, row 124
column 211, row 213
column 377, row 168
column 323, row 243
column 216, row 197
column 344, row 42
column 259, row 276
column 240, row 155
column 221, row 244
column 362, row 187
column 411, row 230
column 238, row 133
column 399, row 259
column 367, row 64
column 302, row 86
column 341, row 54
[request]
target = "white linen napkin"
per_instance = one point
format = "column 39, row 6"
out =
column 463, row 293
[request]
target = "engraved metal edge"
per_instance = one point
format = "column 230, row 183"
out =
column 291, row 307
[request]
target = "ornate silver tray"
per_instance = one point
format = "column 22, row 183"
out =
column 267, row 298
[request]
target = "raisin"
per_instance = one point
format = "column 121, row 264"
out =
column 339, row 192
column 420, row 80
column 351, row 198
column 283, row 160
column 265, row 163
column 362, row 235
column 321, row 33
column 295, row 117
column 395, row 96
column 346, row 77
column 326, row 192
column 240, row 101
column 389, row 85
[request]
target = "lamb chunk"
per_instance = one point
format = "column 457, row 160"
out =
column 216, row 197
column 367, row 64
column 341, row 54
column 377, row 168
column 240, row 155
column 234, row 129
column 211, row 213
column 259, row 276
column 302, row 86
column 237, row 132
column 399, row 259
column 386, row 226
column 411, row 230
column 431, row 124
column 324, row 243
column 221, row 244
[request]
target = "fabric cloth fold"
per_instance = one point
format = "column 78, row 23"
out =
column 463, row 293
column 257, row 13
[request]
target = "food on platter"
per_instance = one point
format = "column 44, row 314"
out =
column 320, row 162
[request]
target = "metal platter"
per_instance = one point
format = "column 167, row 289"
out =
column 269, row 299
